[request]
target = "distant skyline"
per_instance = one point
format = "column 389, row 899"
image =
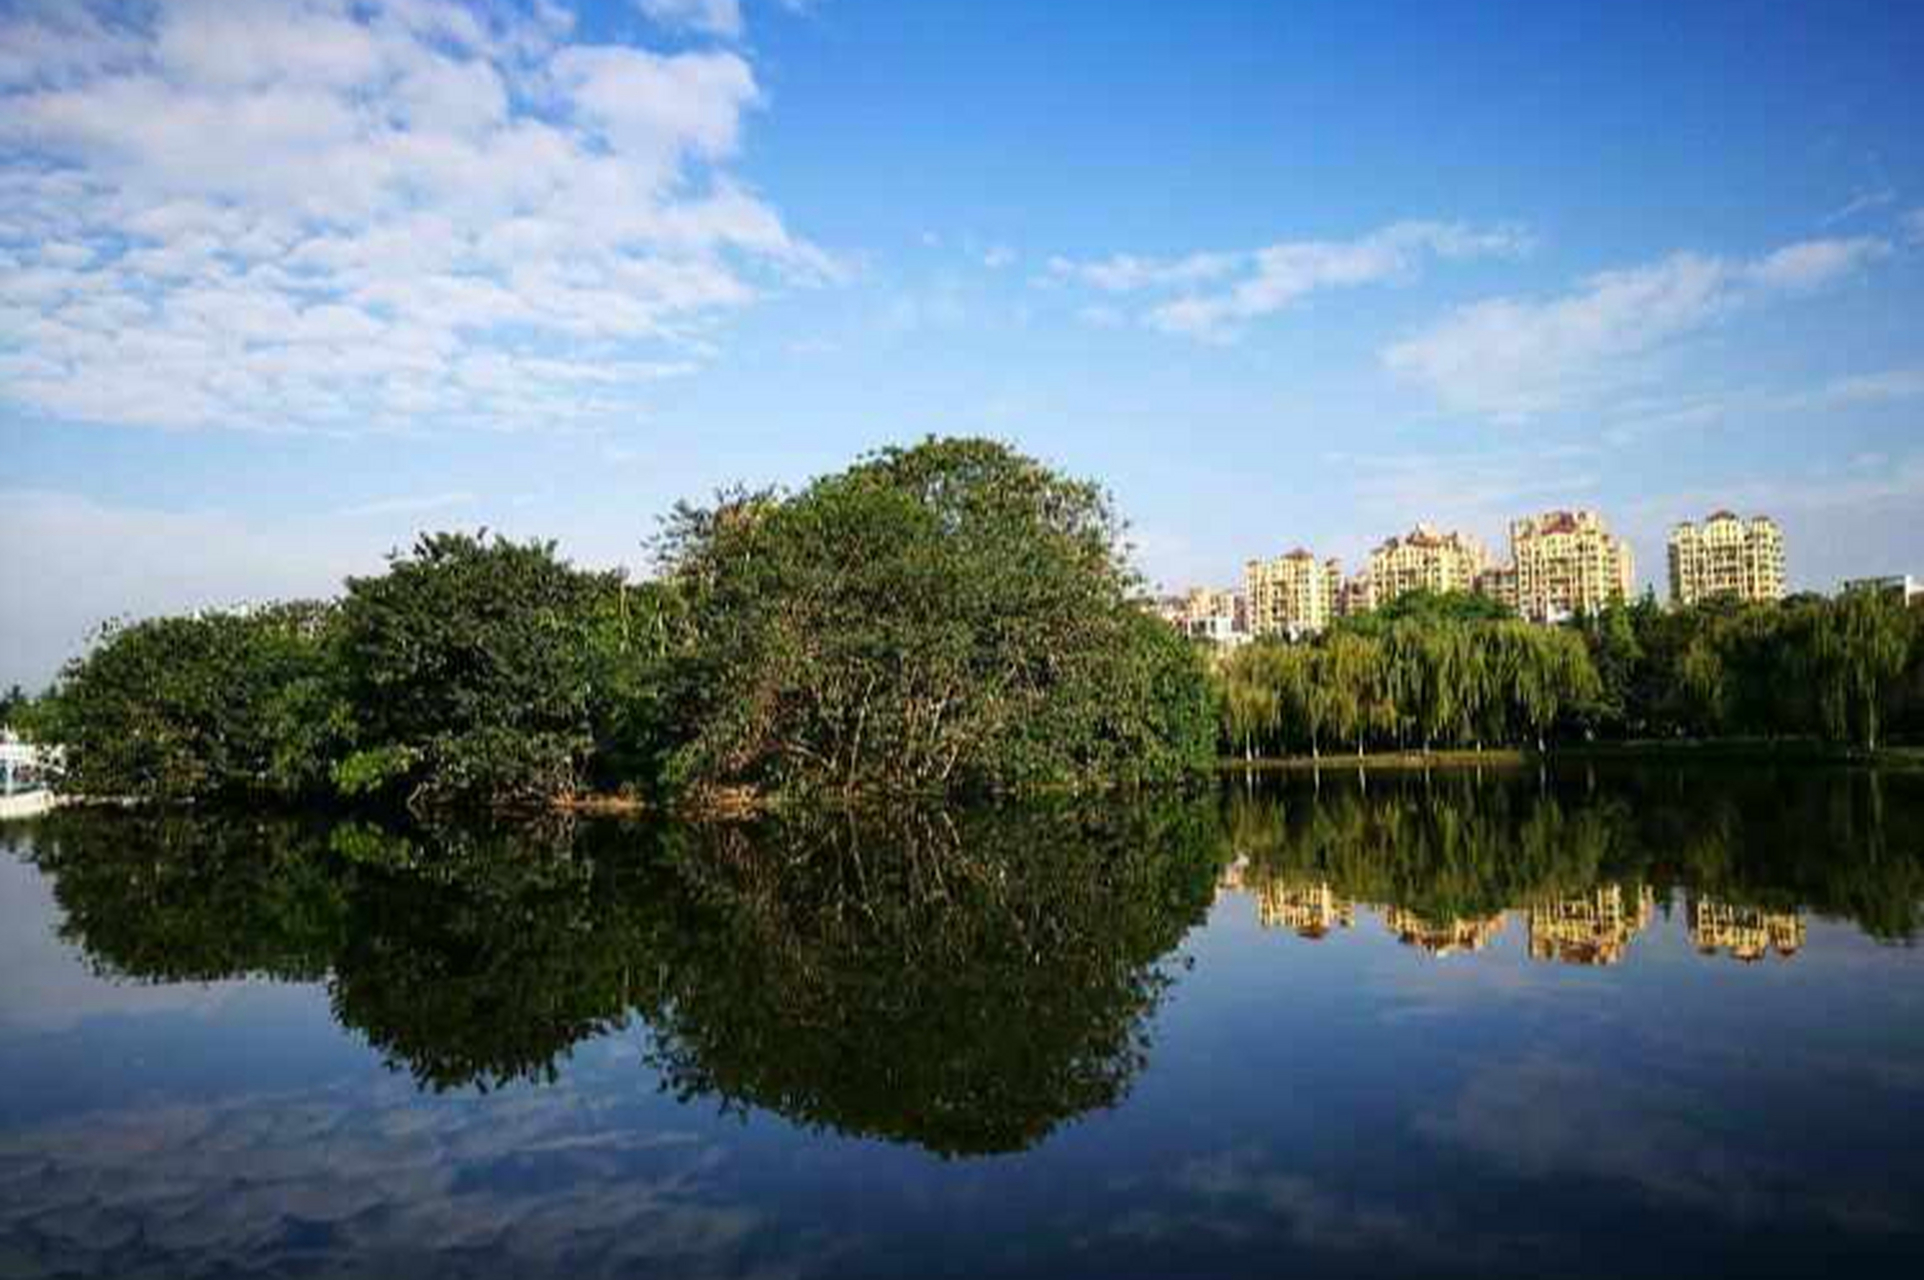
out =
column 283, row 282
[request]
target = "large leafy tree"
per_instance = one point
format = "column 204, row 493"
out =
column 471, row 663
column 947, row 617
column 198, row 707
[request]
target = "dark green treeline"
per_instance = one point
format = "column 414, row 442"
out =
column 951, row 618
column 1440, row 671
column 948, row 619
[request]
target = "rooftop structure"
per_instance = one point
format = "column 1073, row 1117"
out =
column 1594, row 929
column 1309, row 909
column 1442, row 937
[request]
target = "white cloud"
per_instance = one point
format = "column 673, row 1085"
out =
column 997, row 256
column 1127, row 273
column 1914, row 226
column 716, row 17
column 335, row 215
column 1515, row 358
column 1862, row 202
column 655, row 107
column 1215, row 292
column 1814, row 263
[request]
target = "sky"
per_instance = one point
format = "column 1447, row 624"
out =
column 284, row 283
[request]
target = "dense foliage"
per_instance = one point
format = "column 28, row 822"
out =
column 1846, row 671
column 471, row 668
column 943, row 618
column 1405, row 682
column 949, row 617
column 1452, row 672
column 187, row 707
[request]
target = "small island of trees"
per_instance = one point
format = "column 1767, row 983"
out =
column 951, row 618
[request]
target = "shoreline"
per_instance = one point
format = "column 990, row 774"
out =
column 1709, row 750
column 22, row 805
column 737, row 804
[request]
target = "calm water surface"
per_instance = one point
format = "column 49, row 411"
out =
column 1583, row 1024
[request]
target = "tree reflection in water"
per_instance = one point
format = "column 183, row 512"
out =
column 963, row 980
column 1586, row 857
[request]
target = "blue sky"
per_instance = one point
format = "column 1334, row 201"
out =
column 282, row 283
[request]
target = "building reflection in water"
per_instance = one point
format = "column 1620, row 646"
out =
column 1311, row 908
column 1594, row 928
column 1590, row 929
column 1744, row 933
column 1442, row 937
column 1314, row 909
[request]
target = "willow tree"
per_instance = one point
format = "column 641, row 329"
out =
column 1250, row 704
column 1858, row 658
column 1347, row 666
column 1554, row 674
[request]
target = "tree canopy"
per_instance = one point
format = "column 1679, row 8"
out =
column 952, row 616
column 1423, row 680
column 943, row 618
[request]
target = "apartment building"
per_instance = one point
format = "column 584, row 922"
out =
column 1355, row 596
column 1209, row 613
column 1727, row 557
column 1498, row 582
column 1293, row 595
column 1424, row 560
column 1901, row 586
column 1568, row 563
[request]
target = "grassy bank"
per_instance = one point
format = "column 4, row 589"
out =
column 1383, row 760
column 1679, row 750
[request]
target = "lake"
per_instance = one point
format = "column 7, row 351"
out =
column 1584, row 1022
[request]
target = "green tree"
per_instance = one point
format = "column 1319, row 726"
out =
column 202, row 706
column 470, row 663
column 13, row 702
column 1251, row 702
column 1858, row 656
column 953, row 616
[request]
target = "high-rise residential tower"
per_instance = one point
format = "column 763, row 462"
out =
column 1727, row 557
column 1568, row 563
column 1424, row 560
column 1292, row 595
